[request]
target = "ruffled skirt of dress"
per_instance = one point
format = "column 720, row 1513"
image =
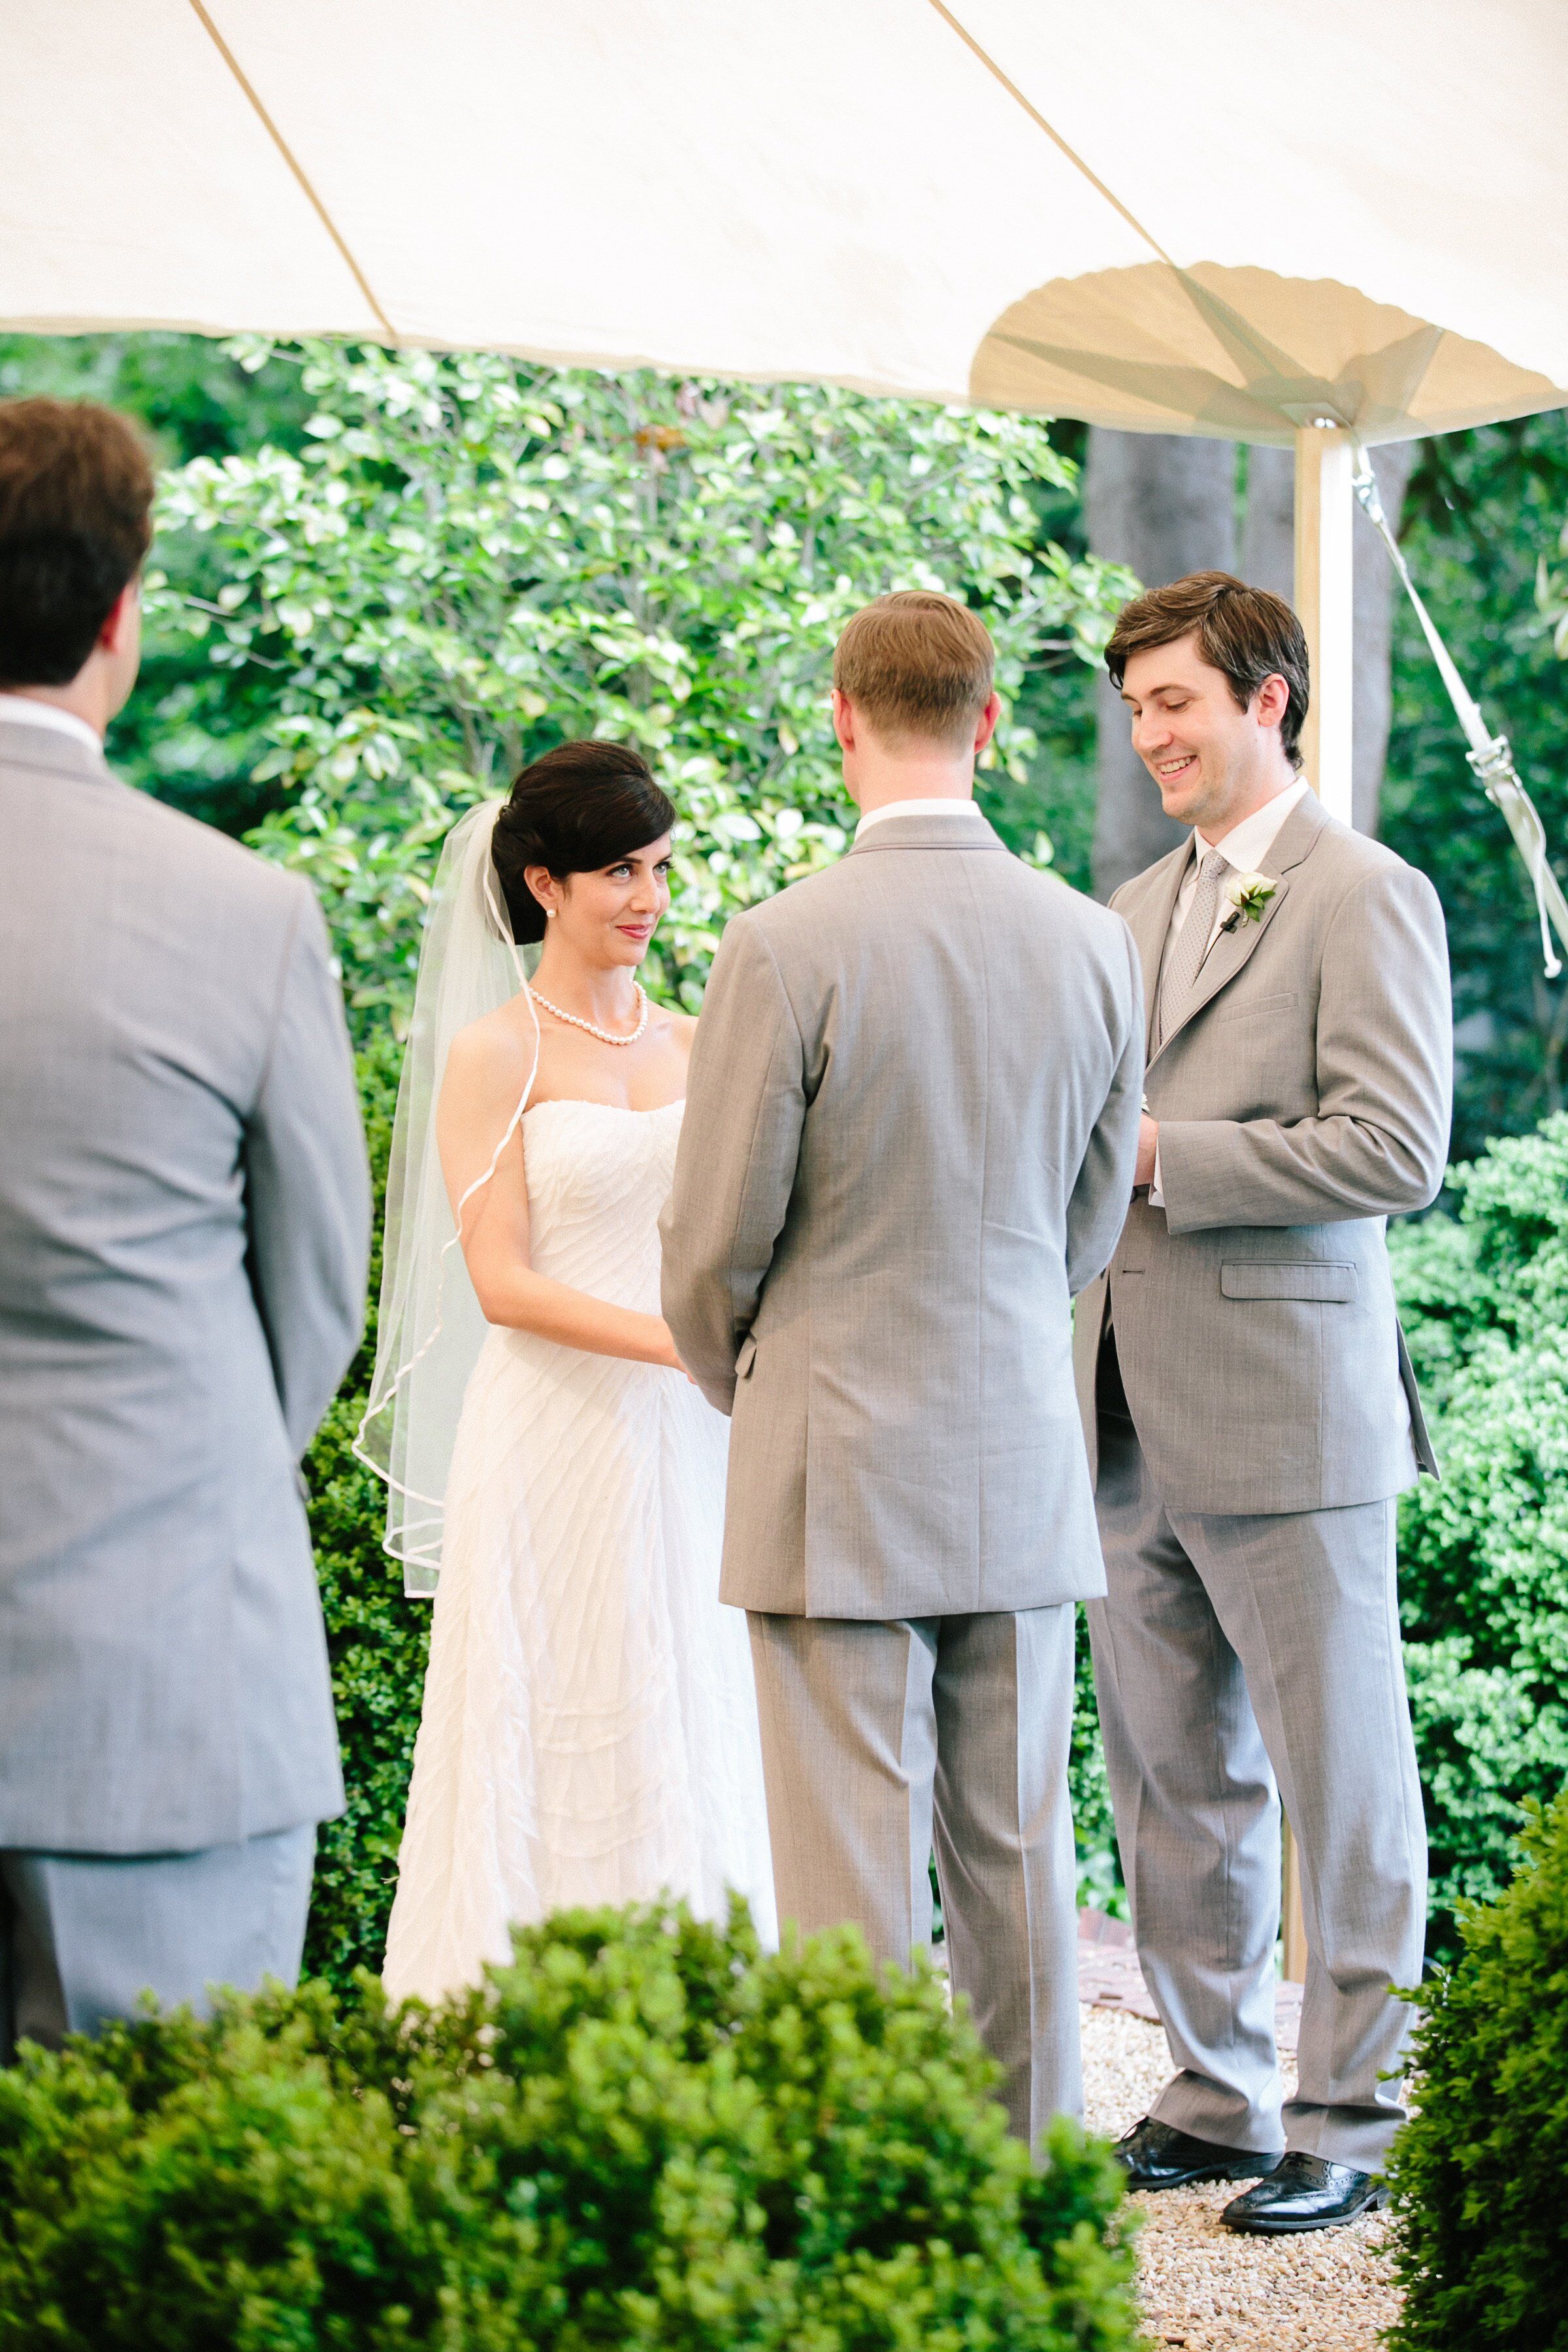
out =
column 589, row 1733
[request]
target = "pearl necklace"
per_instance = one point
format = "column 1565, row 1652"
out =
column 604, row 1036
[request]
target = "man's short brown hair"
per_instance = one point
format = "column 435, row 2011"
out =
column 1246, row 632
column 76, row 498
column 917, row 664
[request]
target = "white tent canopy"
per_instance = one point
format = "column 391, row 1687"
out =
column 1241, row 217
column 1209, row 218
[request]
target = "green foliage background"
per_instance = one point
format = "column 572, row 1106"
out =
column 1483, row 516
column 640, row 2134
column 389, row 578
column 1484, row 1551
column 1481, row 2222
column 377, row 1639
column 1483, row 528
column 470, row 559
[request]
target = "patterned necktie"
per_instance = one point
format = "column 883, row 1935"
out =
column 1186, row 951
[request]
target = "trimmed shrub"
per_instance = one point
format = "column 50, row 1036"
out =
column 1477, row 2173
column 1484, row 1553
column 640, row 2134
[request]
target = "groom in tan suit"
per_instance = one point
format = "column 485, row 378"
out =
column 1251, row 1410
column 908, row 1140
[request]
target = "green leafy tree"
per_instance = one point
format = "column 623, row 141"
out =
column 469, row 560
column 1483, row 518
column 189, row 732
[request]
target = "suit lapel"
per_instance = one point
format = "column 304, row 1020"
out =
column 1230, row 954
column 1235, row 948
column 1150, row 921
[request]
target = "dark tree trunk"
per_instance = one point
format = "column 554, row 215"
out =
column 1164, row 504
column 1268, row 560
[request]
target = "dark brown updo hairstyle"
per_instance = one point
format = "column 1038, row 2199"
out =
column 581, row 808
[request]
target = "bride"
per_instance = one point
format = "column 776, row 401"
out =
column 589, row 1730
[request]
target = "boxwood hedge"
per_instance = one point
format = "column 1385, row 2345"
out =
column 639, row 2135
column 1477, row 2173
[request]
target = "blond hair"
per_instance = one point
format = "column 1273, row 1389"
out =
column 917, row 664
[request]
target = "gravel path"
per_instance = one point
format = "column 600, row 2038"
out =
column 1205, row 2287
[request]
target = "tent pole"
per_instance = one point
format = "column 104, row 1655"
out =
column 1325, row 504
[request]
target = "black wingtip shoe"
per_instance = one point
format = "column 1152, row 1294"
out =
column 1305, row 2192
column 1157, row 2155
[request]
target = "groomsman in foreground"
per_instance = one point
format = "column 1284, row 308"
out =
column 1252, row 1415
column 184, row 1221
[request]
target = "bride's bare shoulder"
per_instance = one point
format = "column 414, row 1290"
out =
column 497, row 1049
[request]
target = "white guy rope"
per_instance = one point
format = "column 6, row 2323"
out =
column 1489, row 755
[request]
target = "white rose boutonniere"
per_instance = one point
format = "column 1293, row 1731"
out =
column 1248, row 895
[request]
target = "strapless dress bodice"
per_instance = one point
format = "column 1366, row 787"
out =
column 598, row 1177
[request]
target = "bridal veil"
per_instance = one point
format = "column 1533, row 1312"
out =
column 430, row 1329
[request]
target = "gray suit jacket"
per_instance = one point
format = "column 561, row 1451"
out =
column 909, row 1139
column 184, row 1225
column 1304, row 1097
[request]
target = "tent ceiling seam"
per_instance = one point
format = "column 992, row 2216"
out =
column 291, row 160
column 1055, row 136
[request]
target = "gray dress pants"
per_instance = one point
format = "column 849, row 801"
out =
column 82, row 1936
column 876, row 1736
column 1239, row 1660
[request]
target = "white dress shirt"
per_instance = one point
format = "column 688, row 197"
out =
column 933, row 807
column 1242, row 847
column 24, row 711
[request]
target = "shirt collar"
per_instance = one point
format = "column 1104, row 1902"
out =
column 952, row 807
column 23, row 710
column 1248, row 843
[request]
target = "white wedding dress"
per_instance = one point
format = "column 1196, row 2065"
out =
column 589, row 1733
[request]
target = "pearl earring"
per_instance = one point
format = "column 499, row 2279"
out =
column 550, row 914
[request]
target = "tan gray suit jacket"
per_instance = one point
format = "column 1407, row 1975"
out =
column 1303, row 1098
column 185, row 1210
column 910, row 1135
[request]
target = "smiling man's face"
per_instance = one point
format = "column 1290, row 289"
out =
column 1214, row 761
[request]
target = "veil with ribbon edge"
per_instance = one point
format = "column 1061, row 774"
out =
column 430, row 1329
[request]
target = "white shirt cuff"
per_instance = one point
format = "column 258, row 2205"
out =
column 1156, row 1198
